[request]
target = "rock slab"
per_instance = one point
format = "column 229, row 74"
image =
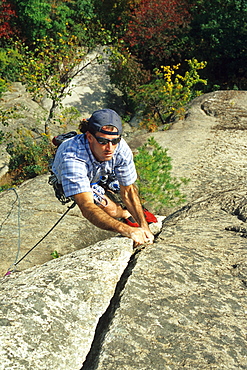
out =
column 49, row 313
column 184, row 306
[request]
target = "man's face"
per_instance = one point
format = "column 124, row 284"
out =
column 102, row 152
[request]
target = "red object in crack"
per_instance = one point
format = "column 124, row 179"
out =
column 150, row 218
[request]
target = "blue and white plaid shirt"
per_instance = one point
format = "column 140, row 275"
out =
column 76, row 167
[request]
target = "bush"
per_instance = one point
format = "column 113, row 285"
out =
column 3, row 86
column 29, row 157
column 168, row 94
column 155, row 183
column 9, row 65
column 68, row 116
column 126, row 73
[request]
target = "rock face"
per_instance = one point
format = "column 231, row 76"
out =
column 36, row 211
column 184, row 306
column 48, row 325
column 179, row 303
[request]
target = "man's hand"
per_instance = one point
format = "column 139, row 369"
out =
column 131, row 199
column 98, row 217
column 141, row 236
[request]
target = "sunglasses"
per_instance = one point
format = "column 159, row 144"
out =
column 104, row 141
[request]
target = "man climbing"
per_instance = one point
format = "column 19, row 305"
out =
column 83, row 161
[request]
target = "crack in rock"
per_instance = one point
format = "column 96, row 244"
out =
column 104, row 322
column 92, row 358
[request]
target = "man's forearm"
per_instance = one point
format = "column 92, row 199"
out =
column 131, row 199
column 101, row 219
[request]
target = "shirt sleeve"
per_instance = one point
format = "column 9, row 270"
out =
column 70, row 168
column 125, row 168
column 74, row 176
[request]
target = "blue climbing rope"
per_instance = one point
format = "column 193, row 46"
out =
column 18, row 223
column 12, row 267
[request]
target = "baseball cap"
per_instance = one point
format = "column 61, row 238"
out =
column 105, row 117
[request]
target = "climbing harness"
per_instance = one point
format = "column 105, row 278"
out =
column 58, row 189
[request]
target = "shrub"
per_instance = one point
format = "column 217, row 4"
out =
column 29, row 157
column 4, row 187
column 155, row 183
column 157, row 30
column 3, row 86
column 168, row 94
column 126, row 72
column 9, row 65
column 68, row 116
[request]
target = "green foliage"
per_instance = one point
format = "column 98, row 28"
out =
column 3, row 86
column 8, row 114
column 50, row 67
column 4, row 123
column 9, row 64
column 156, row 32
column 113, row 14
column 45, row 19
column 33, row 20
column 218, row 34
column 9, row 67
column 4, row 187
column 29, row 157
column 155, row 183
column 55, row 254
column 84, row 24
column 75, row 18
column 68, row 116
column 168, row 93
column 126, row 73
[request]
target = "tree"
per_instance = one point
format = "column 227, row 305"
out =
column 48, row 69
column 126, row 73
column 33, row 19
column 218, row 34
column 75, row 17
column 7, row 13
column 156, row 30
column 155, row 182
column 113, row 14
column 47, row 18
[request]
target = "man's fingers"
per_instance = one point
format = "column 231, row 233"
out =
column 135, row 244
column 141, row 236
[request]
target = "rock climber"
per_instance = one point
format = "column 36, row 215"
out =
column 84, row 162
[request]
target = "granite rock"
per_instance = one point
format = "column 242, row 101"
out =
column 179, row 303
